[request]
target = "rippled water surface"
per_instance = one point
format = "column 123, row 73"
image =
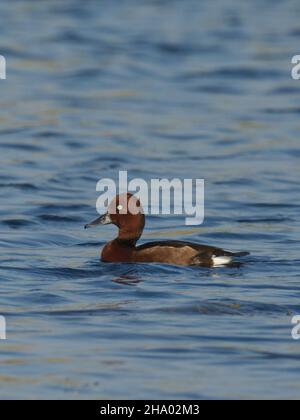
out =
column 192, row 89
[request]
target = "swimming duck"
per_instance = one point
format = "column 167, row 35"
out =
column 126, row 212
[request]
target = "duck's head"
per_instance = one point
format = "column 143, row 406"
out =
column 125, row 212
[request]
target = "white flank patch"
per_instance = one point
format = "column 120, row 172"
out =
column 221, row 261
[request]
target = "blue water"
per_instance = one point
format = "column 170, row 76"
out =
column 159, row 88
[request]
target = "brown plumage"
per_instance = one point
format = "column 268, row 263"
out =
column 126, row 213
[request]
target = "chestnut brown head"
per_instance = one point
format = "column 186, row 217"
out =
column 125, row 212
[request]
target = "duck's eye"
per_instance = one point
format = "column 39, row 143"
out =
column 120, row 207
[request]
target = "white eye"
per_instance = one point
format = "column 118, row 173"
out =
column 120, row 207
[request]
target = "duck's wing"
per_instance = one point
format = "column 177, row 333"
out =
column 196, row 253
column 183, row 244
column 171, row 244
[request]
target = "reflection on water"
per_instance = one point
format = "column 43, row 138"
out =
column 162, row 89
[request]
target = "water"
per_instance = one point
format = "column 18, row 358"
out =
column 159, row 88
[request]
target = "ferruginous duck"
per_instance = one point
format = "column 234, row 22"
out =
column 126, row 212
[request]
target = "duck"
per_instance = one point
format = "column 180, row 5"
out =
column 126, row 213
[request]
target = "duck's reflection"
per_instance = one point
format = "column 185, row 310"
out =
column 128, row 279
column 128, row 275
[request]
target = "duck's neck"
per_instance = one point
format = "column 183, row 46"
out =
column 128, row 237
column 127, row 243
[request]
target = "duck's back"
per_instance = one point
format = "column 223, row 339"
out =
column 184, row 253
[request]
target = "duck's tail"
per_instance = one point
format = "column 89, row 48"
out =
column 240, row 254
column 227, row 258
column 217, row 258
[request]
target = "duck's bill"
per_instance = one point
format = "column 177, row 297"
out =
column 102, row 220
